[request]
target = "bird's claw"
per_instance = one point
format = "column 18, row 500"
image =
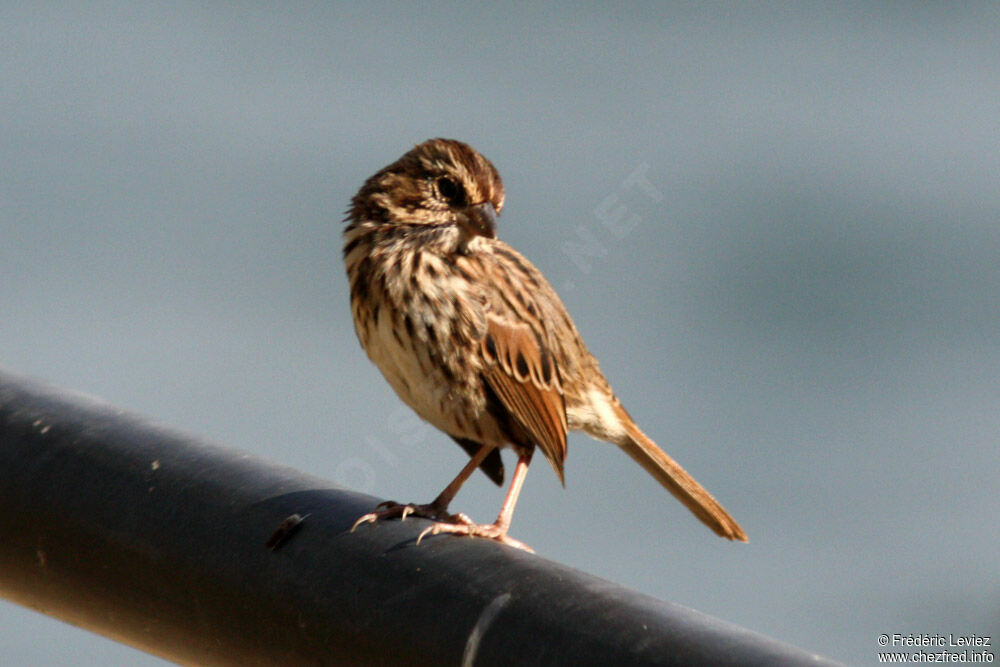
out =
column 454, row 524
column 489, row 531
column 390, row 509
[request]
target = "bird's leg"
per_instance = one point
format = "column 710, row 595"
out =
column 437, row 509
column 507, row 509
column 445, row 497
column 498, row 529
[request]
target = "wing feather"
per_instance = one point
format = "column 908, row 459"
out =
column 522, row 373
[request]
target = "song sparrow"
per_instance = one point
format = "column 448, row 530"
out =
column 474, row 339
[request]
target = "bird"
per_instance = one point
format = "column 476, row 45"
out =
column 476, row 341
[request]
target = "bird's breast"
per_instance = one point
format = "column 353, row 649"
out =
column 424, row 342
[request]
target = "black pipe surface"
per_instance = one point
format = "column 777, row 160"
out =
column 155, row 538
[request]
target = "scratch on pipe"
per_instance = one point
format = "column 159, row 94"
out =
column 483, row 624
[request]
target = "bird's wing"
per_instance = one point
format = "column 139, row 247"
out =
column 522, row 374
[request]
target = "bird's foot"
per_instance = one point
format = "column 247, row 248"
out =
column 490, row 531
column 390, row 509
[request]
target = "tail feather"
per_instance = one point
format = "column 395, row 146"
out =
column 682, row 485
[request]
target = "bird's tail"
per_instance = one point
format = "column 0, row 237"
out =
column 676, row 480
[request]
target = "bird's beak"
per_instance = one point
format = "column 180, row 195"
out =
column 480, row 220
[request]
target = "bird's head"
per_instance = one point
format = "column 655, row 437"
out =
column 441, row 183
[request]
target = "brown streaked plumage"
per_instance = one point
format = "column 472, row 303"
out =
column 473, row 338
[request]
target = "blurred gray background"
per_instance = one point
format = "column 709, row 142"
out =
column 803, row 307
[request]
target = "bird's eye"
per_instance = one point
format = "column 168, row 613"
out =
column 452, row 191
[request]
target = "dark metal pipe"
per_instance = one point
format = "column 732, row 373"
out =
column 155, row 538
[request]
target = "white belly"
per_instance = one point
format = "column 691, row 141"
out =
column 412, row 375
